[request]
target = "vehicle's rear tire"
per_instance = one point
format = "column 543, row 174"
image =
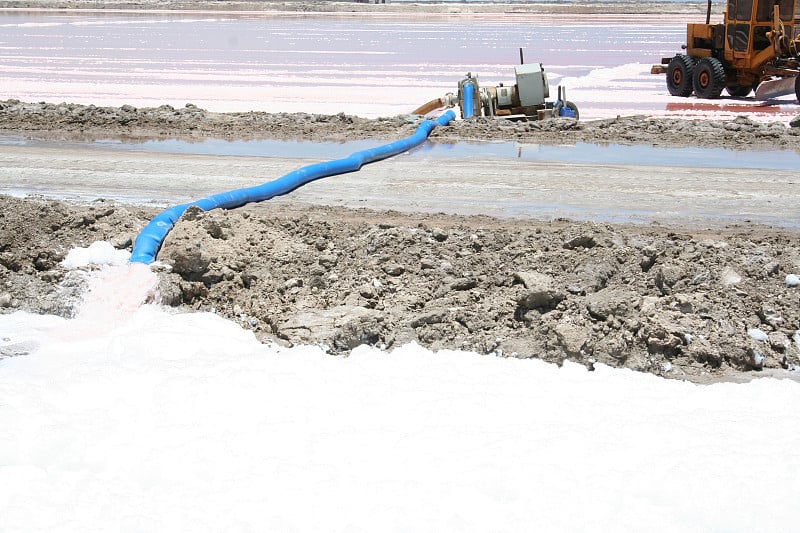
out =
column 797, row 88
column 709, row 78
column 680, row 73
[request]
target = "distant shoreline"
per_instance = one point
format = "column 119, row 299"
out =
column 621, row 7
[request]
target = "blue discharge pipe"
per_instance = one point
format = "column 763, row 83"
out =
column 149, row 240
column 469, row 104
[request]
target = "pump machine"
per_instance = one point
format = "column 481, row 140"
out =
column 525, row 100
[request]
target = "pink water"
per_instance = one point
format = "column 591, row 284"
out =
column 115, row 289
column 329, row 64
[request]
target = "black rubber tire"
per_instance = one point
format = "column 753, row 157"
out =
column 739, row 91
column 568, row 105
column 680, row 73
column 797, row 88
column 709, row 78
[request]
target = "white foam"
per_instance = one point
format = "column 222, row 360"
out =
column 165, row 421
column 97, row 253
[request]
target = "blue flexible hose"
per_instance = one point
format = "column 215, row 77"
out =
column 149, row 240
column 469, row 104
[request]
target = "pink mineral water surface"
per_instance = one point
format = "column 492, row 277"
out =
column 367, row 66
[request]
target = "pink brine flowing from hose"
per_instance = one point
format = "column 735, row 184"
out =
column 118, row 291
column 115, row 289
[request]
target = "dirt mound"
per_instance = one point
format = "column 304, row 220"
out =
column 698, row 305
column 74, row 121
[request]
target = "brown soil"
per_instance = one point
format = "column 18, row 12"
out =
column 680, row 302
column 74, row 121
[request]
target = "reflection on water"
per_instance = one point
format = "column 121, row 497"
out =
column 578, row 153
column 622, row 155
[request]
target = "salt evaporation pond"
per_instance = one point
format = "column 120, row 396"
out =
column 326, row 63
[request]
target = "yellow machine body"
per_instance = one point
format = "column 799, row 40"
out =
column 756, row 42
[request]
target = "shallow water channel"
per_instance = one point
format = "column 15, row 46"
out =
column 615, row 183
column 578, row 153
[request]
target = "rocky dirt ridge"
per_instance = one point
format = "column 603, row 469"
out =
column 700, row 305
column 74, row 121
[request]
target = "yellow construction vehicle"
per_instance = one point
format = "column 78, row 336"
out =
column 755, row 48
